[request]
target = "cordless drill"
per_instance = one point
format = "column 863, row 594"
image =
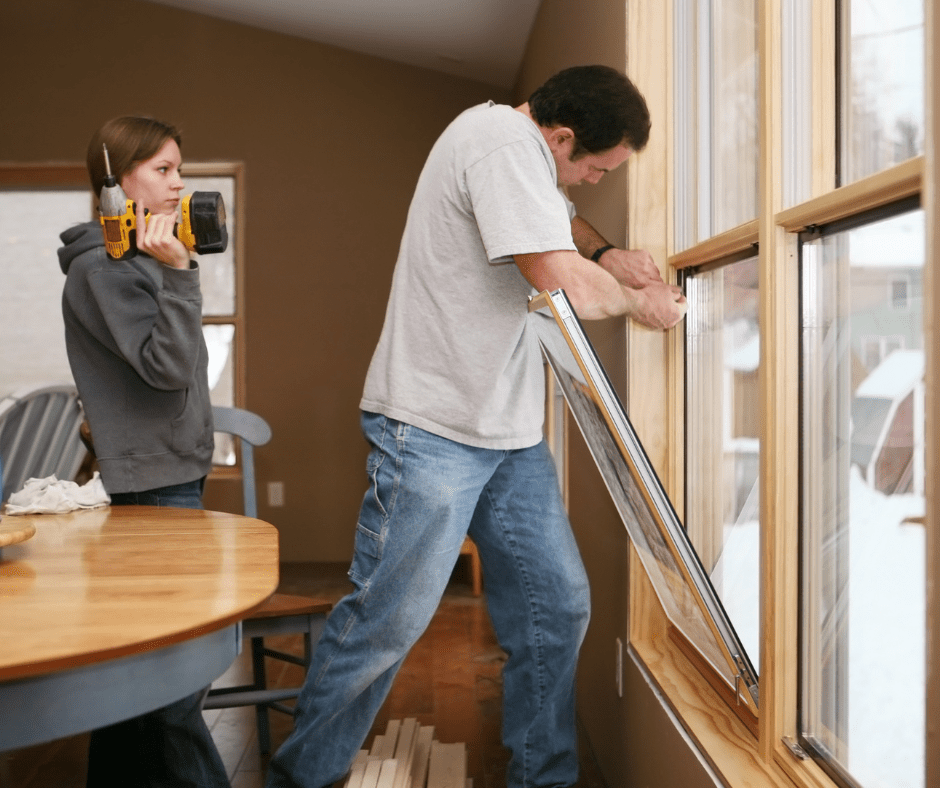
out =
column 202, row 228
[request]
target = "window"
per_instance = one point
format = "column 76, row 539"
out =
column 223, row 324
column 899, row 293
column 722, row 365
column 882, row 68
column 37, row 202
column 863, row 585
column 32, row 343
column 835, row 231
column 717, row 118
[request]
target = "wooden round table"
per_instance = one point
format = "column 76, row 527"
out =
column 108, row 613
column 12, row 531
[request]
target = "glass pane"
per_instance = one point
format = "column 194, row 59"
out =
column 863, row 585
column 32, row 332
column 716, row 117
column 217, row 271
column 723, row 438
column 883, row 85
column 220, row 340
column 796, row 99
column 676, row 573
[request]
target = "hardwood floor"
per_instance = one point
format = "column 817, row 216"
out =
column 451, row 680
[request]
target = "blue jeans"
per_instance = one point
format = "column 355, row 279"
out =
column 169, row 747
column 187, row 495
column 426, row 494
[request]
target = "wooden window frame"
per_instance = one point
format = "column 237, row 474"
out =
column 770, row 756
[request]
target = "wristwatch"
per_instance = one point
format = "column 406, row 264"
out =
column 597, row 254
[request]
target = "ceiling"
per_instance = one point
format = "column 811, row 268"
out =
column 483, row 40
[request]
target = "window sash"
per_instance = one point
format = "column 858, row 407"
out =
column 862, row 428
column 775, row 757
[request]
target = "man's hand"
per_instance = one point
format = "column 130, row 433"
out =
column 657, row 306
column 631, row 267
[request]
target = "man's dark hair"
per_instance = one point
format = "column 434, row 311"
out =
column 599, row 104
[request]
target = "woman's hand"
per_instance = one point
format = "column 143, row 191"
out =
column 156, row 238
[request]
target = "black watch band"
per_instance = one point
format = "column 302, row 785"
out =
column 597, row 255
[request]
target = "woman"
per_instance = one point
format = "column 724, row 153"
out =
column 133, row 331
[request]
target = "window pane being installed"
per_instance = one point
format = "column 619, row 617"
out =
column 667, row 555
column 862, row 535
column 882, row 85
column 722, row 343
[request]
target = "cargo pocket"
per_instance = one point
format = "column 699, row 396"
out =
column 369, row 538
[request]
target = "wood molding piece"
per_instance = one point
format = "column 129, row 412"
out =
column 823, row 99
column 740, row 240
column 52, row 175
column 875, row 191
column 706, row 716
column 715, row 681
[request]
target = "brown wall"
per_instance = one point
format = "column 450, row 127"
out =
column 332, row 144
column 635, row 740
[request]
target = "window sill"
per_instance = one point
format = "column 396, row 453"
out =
column 725, row 740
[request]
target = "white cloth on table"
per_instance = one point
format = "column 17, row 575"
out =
column 54, row 496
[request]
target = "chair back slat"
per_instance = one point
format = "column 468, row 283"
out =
column 39, row 436
column 252, row 430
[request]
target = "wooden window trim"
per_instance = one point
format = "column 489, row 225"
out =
column 235, row 170
column 51, row 175
column 769, row 758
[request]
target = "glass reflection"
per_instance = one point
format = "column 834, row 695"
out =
column 863, row 553
column 882, row 85
column 723, row 437
column 220, row 341
column 716, row 109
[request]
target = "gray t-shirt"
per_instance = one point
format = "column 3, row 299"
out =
column 455, row 357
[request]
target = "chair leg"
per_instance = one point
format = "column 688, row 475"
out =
column 260, row 682
column 476, row 571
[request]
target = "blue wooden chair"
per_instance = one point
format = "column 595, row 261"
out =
column 281, row 614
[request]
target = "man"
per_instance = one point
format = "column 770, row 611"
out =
column 453, row 407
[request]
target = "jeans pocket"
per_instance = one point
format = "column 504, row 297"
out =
column 373, row 466
column 368, row 553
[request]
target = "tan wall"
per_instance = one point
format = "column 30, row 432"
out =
column 634, row 739
column 332, row 143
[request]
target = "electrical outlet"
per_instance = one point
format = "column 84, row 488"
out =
column 275, row 493
column 619, row 645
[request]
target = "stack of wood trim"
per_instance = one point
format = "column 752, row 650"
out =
column 408, row 756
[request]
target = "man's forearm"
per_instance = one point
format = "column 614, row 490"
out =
column 586, row 238
column 593, row 292
column 631, row 267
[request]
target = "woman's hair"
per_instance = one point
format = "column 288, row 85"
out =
column 130, row 141
column 599, row 104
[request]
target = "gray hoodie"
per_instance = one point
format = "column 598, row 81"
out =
column 133, row 331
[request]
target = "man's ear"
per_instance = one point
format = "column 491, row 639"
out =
column 561, row 137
